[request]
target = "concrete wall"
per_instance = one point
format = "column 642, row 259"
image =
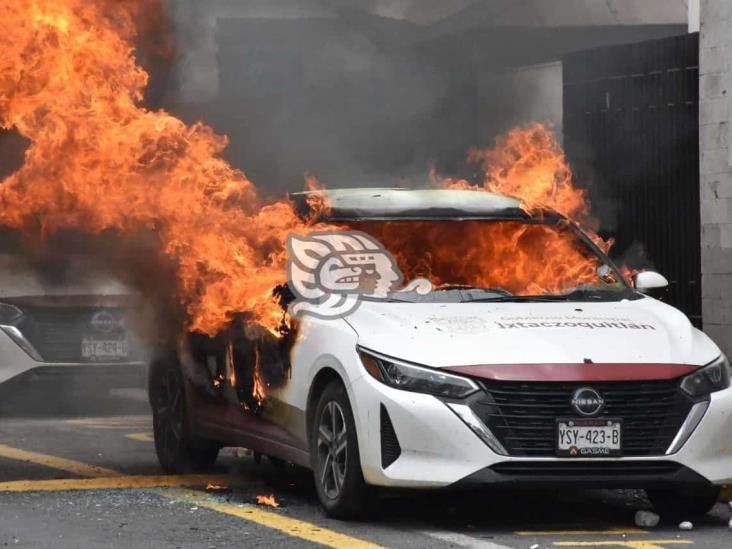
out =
column 716, row 168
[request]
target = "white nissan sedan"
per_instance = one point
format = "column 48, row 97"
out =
column 512, row 351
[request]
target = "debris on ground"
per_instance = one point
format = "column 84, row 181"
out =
column 686, row 525
column 646, row 519
column 729, row 524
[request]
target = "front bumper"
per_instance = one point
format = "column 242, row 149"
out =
column 624, row 473
column 438, row 450
column 19, row 370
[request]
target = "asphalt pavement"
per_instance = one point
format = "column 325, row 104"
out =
column 94, row 481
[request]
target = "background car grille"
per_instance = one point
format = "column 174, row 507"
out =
column 56, row 332
column 522, row 415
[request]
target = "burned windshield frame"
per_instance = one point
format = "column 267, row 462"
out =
column 540, row 217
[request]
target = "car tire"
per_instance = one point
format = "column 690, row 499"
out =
column 683, row 503
column 335, row 458
column 178, row 450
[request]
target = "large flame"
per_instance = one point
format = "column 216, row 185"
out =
column 521, row 258
column 99, row 161
column 528, row 163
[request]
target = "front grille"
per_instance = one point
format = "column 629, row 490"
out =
column 390, row 448
column 57, row 332
column 522, row 415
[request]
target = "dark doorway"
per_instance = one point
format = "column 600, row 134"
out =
column 631, row 131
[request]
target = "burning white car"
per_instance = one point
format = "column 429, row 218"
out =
column 531, row 360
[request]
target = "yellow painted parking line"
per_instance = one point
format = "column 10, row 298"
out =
column 604, row 532
column 125, row 422
column 276, row 521
column 118, row 482
column 147, row 436
column 633, row 544
column 53, row 462
column 107, row 479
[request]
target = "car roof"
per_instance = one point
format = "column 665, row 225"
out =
column 389, row 203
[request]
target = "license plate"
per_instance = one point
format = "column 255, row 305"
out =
column 589, row 437
column 105, row 349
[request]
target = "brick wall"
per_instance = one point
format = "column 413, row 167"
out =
column 716, row 168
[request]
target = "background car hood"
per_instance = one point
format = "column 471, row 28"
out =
column 456, row 334
column 20, row 279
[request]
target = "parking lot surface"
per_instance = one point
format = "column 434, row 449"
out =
column 95, row 482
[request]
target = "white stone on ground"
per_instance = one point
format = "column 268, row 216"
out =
column 646, row 519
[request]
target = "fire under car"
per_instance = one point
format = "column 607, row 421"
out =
column 533, row 361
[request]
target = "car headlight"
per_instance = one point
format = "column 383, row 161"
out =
column 9, row 313
column 409, row 377
column 713, row 377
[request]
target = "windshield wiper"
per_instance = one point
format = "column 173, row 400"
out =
column 583, row 294
column 515, row 298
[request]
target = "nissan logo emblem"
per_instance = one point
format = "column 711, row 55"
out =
column 103, row 322
column 587, row 402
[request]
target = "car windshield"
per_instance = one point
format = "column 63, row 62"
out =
column 497, row 260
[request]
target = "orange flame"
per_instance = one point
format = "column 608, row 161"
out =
column 259, row 391
column 528, row 163
column 522, row 258
column 230, row 364
column 98, row 160
column 269, row 500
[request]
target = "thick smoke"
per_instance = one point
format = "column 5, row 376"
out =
column 378, row 92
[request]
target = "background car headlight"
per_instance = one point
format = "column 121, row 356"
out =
column 9, row 313
column 713, row 377
column 418, row 379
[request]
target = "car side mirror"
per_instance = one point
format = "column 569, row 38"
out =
column 646, row 281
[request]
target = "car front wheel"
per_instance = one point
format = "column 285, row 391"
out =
column 177, row 449
column 336, row 462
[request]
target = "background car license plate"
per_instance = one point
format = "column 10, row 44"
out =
column 109, row 349
column 589, row 437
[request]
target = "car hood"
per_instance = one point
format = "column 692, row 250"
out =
column 455, row 334
column 21, row 280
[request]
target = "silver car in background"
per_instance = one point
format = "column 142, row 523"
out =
column 63, row 342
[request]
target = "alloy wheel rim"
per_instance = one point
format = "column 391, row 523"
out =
column 332, row 449
column 170, row 412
